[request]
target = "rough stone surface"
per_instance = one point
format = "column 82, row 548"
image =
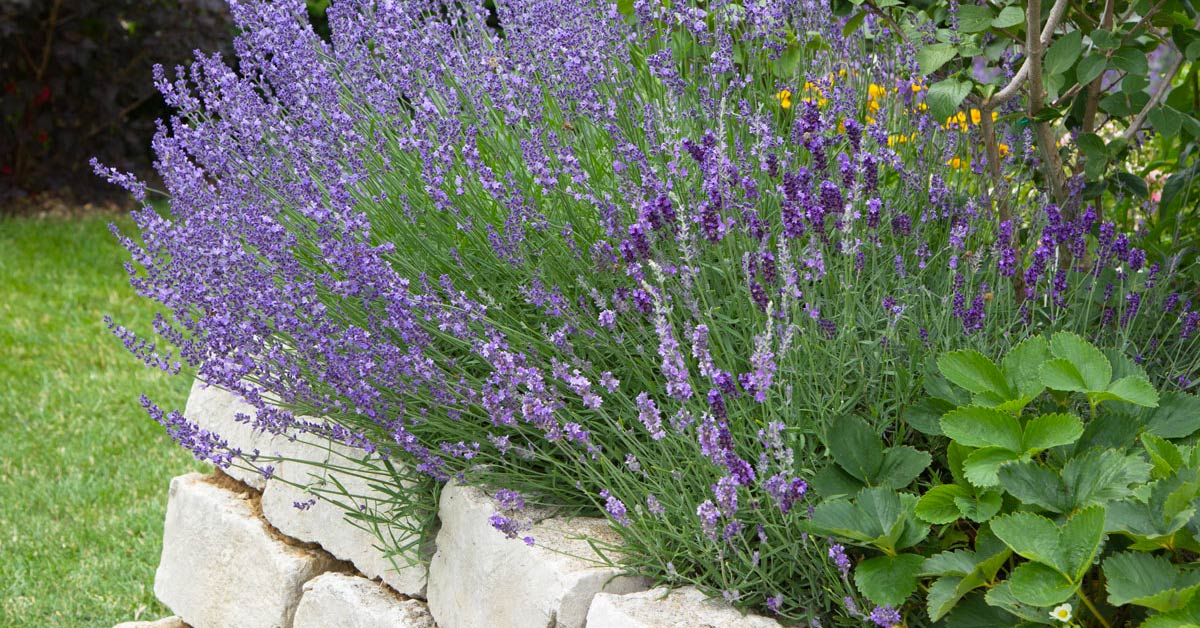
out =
column 685, row 607
column 480, row 579
column 337, row 600
column 324, row 522
column 222, row 566
column 216, row 409
column 166, row 622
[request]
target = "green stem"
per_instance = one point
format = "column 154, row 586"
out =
column 1091, row 607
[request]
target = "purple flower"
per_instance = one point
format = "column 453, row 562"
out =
column 837, row 553
column 650, row 417
column 885, row 617
column 654, row 506
column 709, row 517
column 615, row 508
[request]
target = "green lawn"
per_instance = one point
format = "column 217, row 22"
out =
column 83, row 470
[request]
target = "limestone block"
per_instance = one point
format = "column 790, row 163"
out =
column 216, row 409
column 685, row 607
column 336, row 600
column 480, row 579
column 166, row 622
column 324, row 522
column 222, row 566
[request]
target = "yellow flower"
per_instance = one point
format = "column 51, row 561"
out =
column 872, row 105
column 875, row 92
column 916, row 87
column 975, row 116
column 959, row 164
column 1062, row 612
column 870, row 120
column 1003, row 150
column 897, row 139
column 785, row 98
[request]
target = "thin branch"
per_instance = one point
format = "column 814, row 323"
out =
column 52, row 24
column 1008, row 92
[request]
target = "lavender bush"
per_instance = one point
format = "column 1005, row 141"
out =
column 634, row 259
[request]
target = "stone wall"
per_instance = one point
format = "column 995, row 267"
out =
column 239, row 553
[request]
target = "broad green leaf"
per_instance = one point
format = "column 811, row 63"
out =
column 932, row 57
column 1035, row 485
column 1092, row 146
column 981, row 506
column 854, row 23
column 913, row 530
column 1166, row 120
column 1036, row 584
column 937, row 505
column 1186, row 617
column 1080, row 540
column 945, row 96
column 1134, row 389
column 832, row 481
column 888, row 580
column 975, row 372
column 1164, row 455
column 901, row 465
column 977, row 426
column 1061, row 374
column 982, row 467
column 1148, row 580
column 1022, row 362
column 1154, row 522
column 1177, row 416
column 1109, row 430
column 1091, row 362
column 925, row 415
column 844, row 519
column 1100, row 476
column 1051, row 430
column 942, row 596
column 1063, row 52
column 1009, row 16
column 856, row 448
column 1105, row 39
column 950, row 563
column 1001, row 597
column 1131, row 60
column 974, row 18
column 1090, row 67
column 1032, row 536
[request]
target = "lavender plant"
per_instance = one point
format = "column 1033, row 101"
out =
column 640, row 259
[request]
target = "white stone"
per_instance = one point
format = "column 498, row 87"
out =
column 222, row 566
column 685, row 607
column 324, row 522
column 337, row 600
column 166, row 622
column 216, row 409
column 480, row 579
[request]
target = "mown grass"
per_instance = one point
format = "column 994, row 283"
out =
column 83, row 470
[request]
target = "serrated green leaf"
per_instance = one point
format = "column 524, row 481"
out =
column 977, row 426
column 901, row 465
column 942, row 596
column 937, row 505
column 1134, row 389
column 1000, row 598
column 982, row 467
column 975, row 372
column 980, row 506
column 1062, row 53
column 1186, row 617
column 932, row 57
column 1021, row 364
column 1092, row 364
column 1032, row 536
column 949, row 563
column 1035, row 485
column 1101, row 476
column 1164, row 455
column 1061, row 374
column 1105, row 39
column 856, row 448
column 842, row 518
column 1177, row 416
column 832, row 481
column 1051, row 430
column 1149, row 580
column 1009, row 16
column 925, row 415
column 1036, row 584
column 888, row 580
column 1080, row 540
